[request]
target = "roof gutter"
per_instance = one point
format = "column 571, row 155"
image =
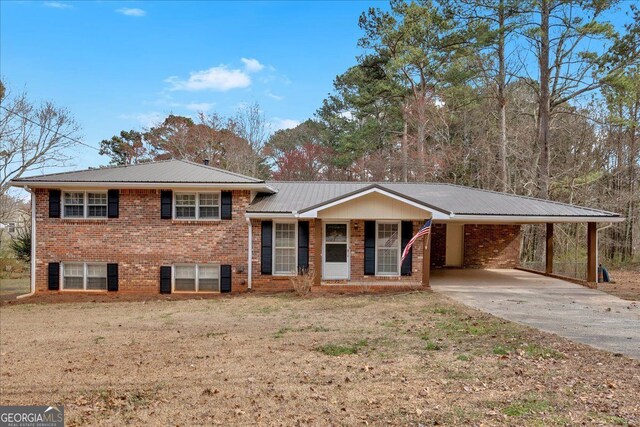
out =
column 527, row 219
column 150, row 185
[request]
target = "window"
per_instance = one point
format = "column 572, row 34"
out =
column 209, row 206
column 196, row 278
column 85, row 205
column 74, row 205
column 388, row 249
column 285, row 252
column 84, row 276
column 11, row 227
column 197, row 206
column 96, row 205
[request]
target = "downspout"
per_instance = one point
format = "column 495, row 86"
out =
column 33, row 245
column 249, row 253
column 598, row 230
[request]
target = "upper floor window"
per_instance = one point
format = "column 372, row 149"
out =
column 197, row 206
column 85, row 204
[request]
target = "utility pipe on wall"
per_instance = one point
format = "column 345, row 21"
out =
column 33, row 245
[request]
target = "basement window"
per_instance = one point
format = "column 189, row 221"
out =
column 196, row 278
column 84, row 276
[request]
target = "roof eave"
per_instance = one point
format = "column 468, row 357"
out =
column 258, row 186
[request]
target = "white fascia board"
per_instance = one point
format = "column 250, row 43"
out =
column 271, row 215
column 314, row 212
column 145, row 185
column 515, row 219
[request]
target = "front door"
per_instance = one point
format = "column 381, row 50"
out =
column 336, row 251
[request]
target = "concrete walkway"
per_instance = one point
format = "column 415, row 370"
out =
column 569, row 310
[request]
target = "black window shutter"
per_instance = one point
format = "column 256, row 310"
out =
column 225, row 278
column 54, row 276
column 166, row 202
column 165, row 279
column 112, row 277
column 369, row 248
column 113, row 204
column 407, row 234
column 54, row 203
column 225, row 211
column 303, row 246
column 266, row 247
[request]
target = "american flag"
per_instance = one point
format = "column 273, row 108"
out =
column 426, row 229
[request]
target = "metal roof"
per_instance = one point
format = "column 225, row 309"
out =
column 452, row 199
column 169, row 171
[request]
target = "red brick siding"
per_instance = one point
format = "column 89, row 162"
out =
column 356, row 243
column 491, row 246
column 438, row 245
column 140, row 242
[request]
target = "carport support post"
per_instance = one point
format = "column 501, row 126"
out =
column 317, row 252
column 591, row 252
column 426, row 260
column 549, row 253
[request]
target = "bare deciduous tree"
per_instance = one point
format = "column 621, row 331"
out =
column 32, row 137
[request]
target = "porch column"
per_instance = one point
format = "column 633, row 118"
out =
column 426, row 260
column 317, row 252
column 591, row 253
column 549, row 252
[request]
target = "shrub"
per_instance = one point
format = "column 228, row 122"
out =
column 21, row 246
column 302, row 282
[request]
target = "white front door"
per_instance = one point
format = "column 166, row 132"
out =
column 336, row 251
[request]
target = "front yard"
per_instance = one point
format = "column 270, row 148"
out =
column 403, row 359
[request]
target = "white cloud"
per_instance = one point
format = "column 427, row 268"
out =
column 199, row 106
column 252, row 65
column 279, row 124
column 132, row 11
column 218, row 78
column 274, row 96
column 146, row 120
column 57, row 5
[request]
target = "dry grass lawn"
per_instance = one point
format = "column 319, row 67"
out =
column 400, row 359
column 626, row 284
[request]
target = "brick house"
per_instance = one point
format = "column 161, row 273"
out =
column 177, row 226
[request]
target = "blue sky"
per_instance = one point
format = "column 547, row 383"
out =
column 124, row 65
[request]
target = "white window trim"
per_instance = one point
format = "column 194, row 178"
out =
column 85, row 275
column 273, row 249
column 85, row 205
column 197, row 194
column 197, row 290
column 398, row 245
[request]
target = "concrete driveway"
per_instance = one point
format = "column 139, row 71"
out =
column 569, row 310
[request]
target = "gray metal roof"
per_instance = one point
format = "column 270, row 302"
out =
column 448, row 198
column 169, row 171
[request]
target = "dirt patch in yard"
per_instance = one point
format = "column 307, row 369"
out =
column 626, row 284
column 403, row 359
